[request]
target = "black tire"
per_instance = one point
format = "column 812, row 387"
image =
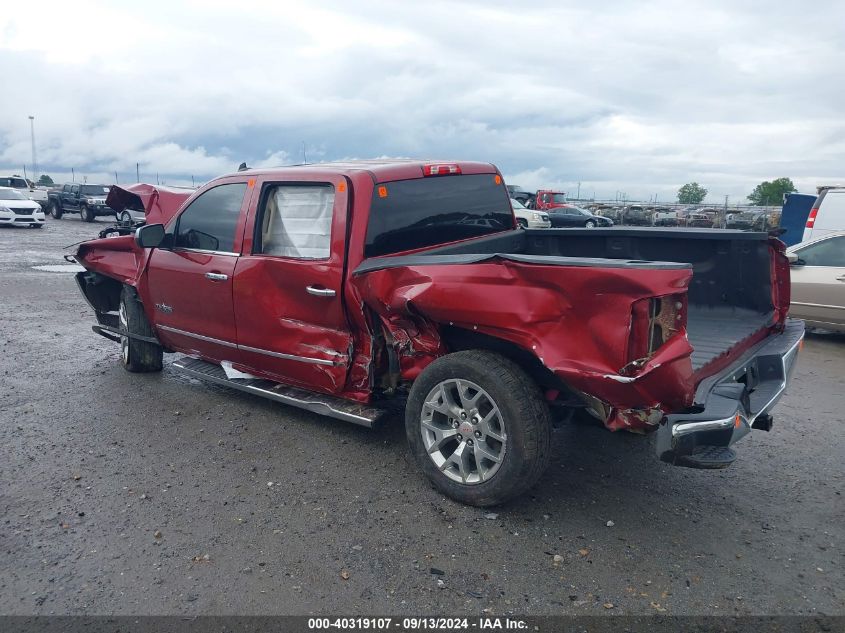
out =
column 55, row 210
column 137, row 356
column 522, row 223
column 526, row 422
column 36, row 226
column 590, row 224
column 123, row 217
column 86, row 213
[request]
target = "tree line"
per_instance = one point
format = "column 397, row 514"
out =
column 765, row 194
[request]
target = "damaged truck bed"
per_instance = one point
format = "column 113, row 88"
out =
column 352, row 288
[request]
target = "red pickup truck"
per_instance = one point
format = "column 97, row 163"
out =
column 351, row 288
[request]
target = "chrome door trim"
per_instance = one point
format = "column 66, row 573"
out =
column 182, row 249
column 208, row 339
column 247, row 348
column 301, row 359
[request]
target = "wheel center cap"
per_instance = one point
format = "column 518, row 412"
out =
column 465, row 429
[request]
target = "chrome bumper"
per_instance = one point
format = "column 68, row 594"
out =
column 738, row 399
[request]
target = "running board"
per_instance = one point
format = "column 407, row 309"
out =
column 316, row 403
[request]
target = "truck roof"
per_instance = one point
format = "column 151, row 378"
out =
column 380, row 169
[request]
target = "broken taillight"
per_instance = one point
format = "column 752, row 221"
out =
column 441, row 170
column 811, row 219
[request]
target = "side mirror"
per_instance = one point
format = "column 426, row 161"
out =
column 149, row 235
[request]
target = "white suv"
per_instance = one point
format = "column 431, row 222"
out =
column 828, row 213
column 16, row 208
column 528, row 219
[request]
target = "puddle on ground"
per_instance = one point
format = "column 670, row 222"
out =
column 60, row 268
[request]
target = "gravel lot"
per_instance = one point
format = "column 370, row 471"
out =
column 155, row 494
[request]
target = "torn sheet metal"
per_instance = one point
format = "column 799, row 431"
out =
column 576, row 321
column 158, row 203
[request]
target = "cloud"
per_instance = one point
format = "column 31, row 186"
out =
column 631, row 97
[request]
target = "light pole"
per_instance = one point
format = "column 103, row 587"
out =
column 34, row 159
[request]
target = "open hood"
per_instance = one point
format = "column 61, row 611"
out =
column 158, row 203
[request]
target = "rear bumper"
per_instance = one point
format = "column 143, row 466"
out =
column 731, row 403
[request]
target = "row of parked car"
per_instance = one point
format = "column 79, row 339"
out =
column 23, row 203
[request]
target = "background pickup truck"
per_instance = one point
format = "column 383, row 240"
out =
column 351, row 288
column 26, row 187
column 88, row 201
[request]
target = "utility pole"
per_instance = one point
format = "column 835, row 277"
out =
column 304, row 158
column 579, row 190
column 137, row 173
column 115, row 178
column 72, row 175
column 34, row 158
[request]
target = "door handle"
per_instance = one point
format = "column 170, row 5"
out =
column 216, row 276
column 320, row 292
column 842, row 278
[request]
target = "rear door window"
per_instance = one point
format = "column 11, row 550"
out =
column 296, row 221
column 411, row 214
column 829, row 252
column 209, row 222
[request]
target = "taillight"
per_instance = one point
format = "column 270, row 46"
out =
column 440, row 170
column 811, row 219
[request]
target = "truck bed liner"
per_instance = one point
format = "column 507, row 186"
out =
column 714, row 331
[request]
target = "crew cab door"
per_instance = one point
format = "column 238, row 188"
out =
column 70, row 200
column 288, row 286
column 190, row 276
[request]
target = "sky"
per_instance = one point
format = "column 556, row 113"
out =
column 625, row 98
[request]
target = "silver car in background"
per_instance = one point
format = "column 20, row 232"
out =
column 818, row 281
column 529, row 219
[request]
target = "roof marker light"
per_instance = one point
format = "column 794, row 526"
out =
column 441, row 170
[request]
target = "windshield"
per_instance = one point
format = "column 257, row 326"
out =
column 11, row 194
column 93, row 190
column 17, row 183
column 411, row 214
column 517, row 204
column 559, row 197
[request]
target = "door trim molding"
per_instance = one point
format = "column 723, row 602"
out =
column 208, row 339
column 302, row 359
column 247, row 348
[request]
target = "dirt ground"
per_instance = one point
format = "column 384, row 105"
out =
column 156, row 494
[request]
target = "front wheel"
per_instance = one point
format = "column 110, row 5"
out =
column 55, row 210
column 86, row 213
column 124, row 217
column 521, row 223
column 137, row 355
column 590, row 224
column 478, row 427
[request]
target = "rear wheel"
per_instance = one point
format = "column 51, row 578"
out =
column 137, row 355
column 86, row 213
column 124, row 217
column 478, row 427
column 55, row 210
